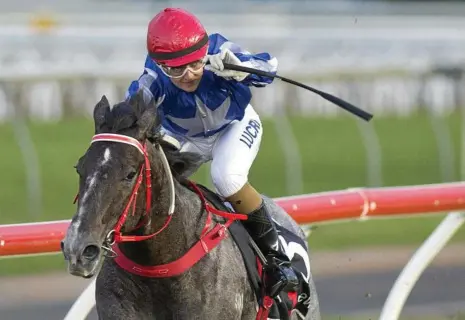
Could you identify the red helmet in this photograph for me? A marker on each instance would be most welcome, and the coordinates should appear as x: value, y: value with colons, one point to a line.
x: 176, y: 37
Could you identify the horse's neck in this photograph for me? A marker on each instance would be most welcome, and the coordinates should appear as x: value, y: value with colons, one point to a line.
x: 180, y: 234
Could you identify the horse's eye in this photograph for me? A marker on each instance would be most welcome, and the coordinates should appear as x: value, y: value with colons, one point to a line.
x: 131, y: 175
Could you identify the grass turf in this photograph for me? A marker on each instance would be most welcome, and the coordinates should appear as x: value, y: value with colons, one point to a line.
x: 332, y: 153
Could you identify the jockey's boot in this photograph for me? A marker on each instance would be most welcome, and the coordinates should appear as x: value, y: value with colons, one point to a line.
x: 279, y: 276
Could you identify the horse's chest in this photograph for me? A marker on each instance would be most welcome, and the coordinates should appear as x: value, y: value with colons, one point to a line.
x: 207, y: 300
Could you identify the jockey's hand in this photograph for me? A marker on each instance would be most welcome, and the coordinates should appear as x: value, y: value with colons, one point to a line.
x: 216, y: 65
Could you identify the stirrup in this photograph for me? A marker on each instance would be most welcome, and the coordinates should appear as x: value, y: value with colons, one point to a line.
x: 279, y: 276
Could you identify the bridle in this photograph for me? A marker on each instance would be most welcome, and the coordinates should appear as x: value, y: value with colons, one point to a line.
x: 115, y: 235
x: 210, y: 237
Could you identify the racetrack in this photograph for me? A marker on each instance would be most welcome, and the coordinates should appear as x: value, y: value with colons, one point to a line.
x: 350, y: 283
x: 439, y: 293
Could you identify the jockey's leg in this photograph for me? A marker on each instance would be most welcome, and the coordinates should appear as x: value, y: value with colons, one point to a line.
x: 233, y: 155
x: 200, y: 147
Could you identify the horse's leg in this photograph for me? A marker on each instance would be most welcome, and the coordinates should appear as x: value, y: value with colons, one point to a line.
x: 118, y: 298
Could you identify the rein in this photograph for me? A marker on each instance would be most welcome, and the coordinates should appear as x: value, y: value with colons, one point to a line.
x: 209, y: 238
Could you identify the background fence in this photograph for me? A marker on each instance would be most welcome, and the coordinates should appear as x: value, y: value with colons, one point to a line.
x: 387, y: 58
x: 403, y: 61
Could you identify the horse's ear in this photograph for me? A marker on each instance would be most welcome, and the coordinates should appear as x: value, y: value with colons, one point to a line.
x: 137, y: 103
x: 101, y: 110
x: 155, y: 105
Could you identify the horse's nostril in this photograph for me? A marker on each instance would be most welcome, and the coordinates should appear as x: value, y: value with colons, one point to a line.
x: 91, y: 252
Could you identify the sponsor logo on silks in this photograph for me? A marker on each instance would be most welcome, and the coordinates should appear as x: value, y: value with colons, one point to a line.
x: 250, y: 133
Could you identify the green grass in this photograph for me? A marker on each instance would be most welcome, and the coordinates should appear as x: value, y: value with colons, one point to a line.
x: 333, y: 157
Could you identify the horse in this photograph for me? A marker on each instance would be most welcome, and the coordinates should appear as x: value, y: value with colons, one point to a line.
x: 164, y: 251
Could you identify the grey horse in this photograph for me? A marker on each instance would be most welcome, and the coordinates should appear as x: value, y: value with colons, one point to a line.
x: 216, y: 287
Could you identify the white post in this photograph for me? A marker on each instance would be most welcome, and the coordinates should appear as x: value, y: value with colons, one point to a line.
x: 30, y: 159
x: 373, y: 154
x: 291, y: 153
x: 418, y: 263
x: 445, y: 146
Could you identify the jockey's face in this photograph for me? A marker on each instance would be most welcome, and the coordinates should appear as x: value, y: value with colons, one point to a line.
x: 189, y: 82
x: 186, y: 77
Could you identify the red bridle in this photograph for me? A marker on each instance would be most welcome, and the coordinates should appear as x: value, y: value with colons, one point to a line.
x: 116, y: 232
x: 210, y: 236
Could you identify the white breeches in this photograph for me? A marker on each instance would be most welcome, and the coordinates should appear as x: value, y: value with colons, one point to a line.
x: 232, y: 151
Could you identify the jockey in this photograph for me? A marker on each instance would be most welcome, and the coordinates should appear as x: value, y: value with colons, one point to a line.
x: 207, y: 109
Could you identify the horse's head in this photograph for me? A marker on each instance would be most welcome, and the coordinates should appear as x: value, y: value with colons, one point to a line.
x: 110, y: 172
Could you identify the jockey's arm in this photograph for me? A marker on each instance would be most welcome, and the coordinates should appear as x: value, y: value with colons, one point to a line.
x: 262, y: 61
x: 148, y: 82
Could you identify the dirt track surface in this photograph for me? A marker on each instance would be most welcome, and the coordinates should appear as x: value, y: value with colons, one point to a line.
x: 352, y: 281
x: 364, y: 261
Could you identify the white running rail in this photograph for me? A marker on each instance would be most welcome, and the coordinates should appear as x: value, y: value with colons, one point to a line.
x: 83, y: 305
x: 418, y: 263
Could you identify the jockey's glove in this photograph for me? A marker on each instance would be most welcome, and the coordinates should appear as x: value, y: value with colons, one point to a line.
x: 216, y: 65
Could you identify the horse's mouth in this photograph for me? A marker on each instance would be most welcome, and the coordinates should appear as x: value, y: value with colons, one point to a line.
x: 83, y: 257
x: 83, y: 267
x: 86, y: 272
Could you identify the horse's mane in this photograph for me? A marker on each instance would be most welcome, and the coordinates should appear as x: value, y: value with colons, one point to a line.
x: 123, y: 117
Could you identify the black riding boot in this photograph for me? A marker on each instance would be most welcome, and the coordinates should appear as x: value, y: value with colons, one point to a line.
x: 279, y: 274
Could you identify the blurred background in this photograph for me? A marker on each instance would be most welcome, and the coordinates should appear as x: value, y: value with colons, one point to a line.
x: 401, y: 60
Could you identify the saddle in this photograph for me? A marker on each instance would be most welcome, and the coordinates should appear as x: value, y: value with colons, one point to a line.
x: 286, y: 303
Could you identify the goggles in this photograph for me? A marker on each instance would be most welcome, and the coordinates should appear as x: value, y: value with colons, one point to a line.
x: 179, y: 72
